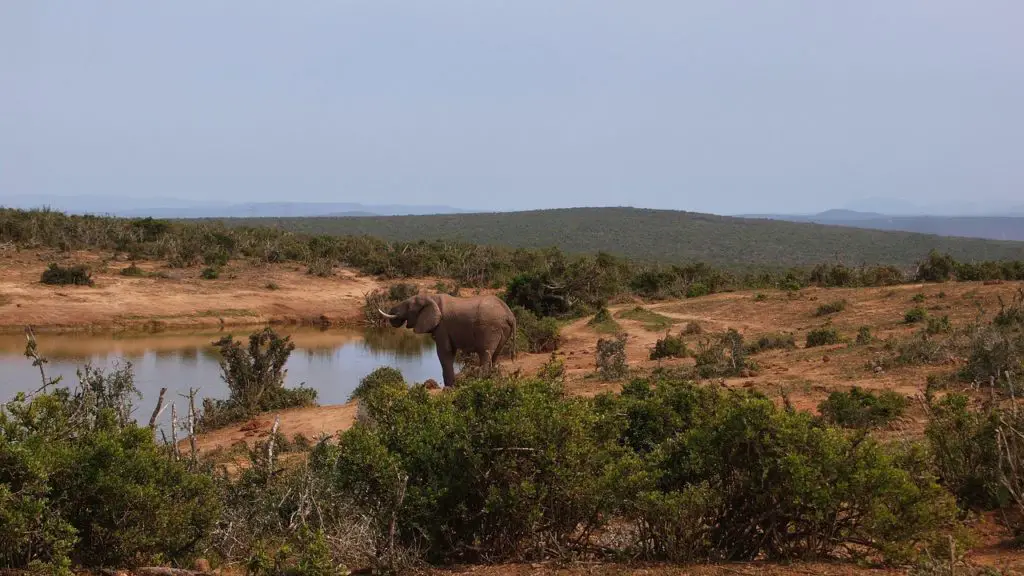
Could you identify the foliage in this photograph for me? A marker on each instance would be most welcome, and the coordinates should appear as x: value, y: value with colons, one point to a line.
x: 611, y: 357
x: 936, y: 267
x: 864, y: 336
x: 82, y: 485
x: 963, y: 444
x: 536, y: 334
x: 831, y: 308
x: 722, y: 355
x: 914, y: 315
x: 823, y: 336
x: 76, y: 275
x: 255, y: 379
x: 772, y: 341
x: 210, y: 273
x: 938, y: 325
x: 918, y: 298
x: 604, y: 323
x: 693, y: 327
x: 859, y: 408
x: 385, y: 376
x: 669, y: 347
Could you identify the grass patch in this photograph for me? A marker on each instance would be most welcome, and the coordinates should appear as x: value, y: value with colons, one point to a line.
x: 831, y: 308
x: 651, y: 320
x: 604, y: 323
x: 132, y: 271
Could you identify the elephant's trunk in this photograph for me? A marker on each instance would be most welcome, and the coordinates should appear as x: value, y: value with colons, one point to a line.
x: 386, y: 315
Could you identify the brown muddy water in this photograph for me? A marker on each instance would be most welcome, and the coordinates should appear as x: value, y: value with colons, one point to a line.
x: 330, y: 361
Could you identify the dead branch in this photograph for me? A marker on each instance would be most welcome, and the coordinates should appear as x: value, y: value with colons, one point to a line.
x: 158, y: 409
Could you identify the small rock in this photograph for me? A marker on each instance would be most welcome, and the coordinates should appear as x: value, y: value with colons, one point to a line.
x: 878, y: 369
x: 825, y: 358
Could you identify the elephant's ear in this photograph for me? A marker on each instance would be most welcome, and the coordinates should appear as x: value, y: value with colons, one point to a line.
x: 428, y: 318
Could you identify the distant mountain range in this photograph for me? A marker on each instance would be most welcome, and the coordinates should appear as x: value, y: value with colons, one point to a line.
x: 1007, y: 227
x: 177, y: 208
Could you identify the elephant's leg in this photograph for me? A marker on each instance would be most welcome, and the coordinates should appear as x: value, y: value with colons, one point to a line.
x: 499, y: 349
x: 447, y: 357
x: 485, y: 361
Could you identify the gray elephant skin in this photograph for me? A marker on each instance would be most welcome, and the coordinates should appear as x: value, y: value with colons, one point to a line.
x: 480, y: 325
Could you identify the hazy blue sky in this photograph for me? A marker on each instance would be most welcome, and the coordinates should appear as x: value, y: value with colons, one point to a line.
x: 722, y: 106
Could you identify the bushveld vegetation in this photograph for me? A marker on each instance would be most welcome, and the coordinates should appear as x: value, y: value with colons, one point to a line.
x: 57, y: 275
x: 660, y: 236
x: 547, y: 282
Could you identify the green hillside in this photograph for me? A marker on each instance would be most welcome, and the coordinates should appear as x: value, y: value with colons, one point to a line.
x: 662, y: 236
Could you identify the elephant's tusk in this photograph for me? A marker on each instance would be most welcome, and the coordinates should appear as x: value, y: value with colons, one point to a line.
x: 386, y: 315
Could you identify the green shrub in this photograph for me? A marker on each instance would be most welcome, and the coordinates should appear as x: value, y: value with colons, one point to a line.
x: 693, y: 327
x: 963, y: 444
x: 723, y: 355
x: 210, y: 273
x: 938, y: 325
x: 772, y: 341
x: 914, y: 315
x: 322, y: 267
x: 831, y: 308
x: 864, y: 336
x: 604, y: 323
x: 705, y: 454
x: 822, y: 337
x: 492, y: 470
x: 255, y: 379
x: 862, y: 409
x: 696, y: 290
x: 57, y: 275
x: 82, y: 487
x: 991, y: 353
x: 669, y: 347
x: 383, y: 377
x: 132, y: 270
x: 918, y: 298
x: 760, y: 297
x: 611, y: 357
x: 1011, y: 316
x: 936, y: 268
x: 536, y: 335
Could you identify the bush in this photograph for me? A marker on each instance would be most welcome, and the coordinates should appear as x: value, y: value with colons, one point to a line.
x: 722, y: 355
x: 611, y: 358
x: 669, y: 347
x: 381, y: 378
x: 963, y: 444
x: 696, y: 290
x: 705, y: 455
x: 772, y: 341
x: 991, y: 353
x: 322, y: 267
x: 864, y: 336
x: 57, y: 275
x: 693, y: 327
x: 918, y: 298
x: 132, y: 270
x: 936, y: 268
x: 862, y: 409
x: 1011, y: 316
x: 536, y: 335
x: 401, y: 291
x: 831, y: 308
x: 604, y: 323
x: 491, y: 471
x: 210, y: 273
x: 822, y: 337
x: 255, y: 379
x: 914, y: 315
x: 82, y: 487
x: 938, y: 326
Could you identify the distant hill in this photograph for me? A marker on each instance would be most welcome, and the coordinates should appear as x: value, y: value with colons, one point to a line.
x: 663, y: 236
x: 990, y: 227
x: 177, y: 208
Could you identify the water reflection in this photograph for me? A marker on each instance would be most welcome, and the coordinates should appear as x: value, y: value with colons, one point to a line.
x: 332, y: 362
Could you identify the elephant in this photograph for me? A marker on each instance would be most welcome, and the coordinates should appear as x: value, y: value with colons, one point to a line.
x: 480, y: 325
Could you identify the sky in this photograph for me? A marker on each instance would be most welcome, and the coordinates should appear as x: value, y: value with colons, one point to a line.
x: 724, y: 106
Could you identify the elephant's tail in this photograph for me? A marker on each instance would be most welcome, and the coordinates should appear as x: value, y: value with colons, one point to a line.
x: 515, y: 330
